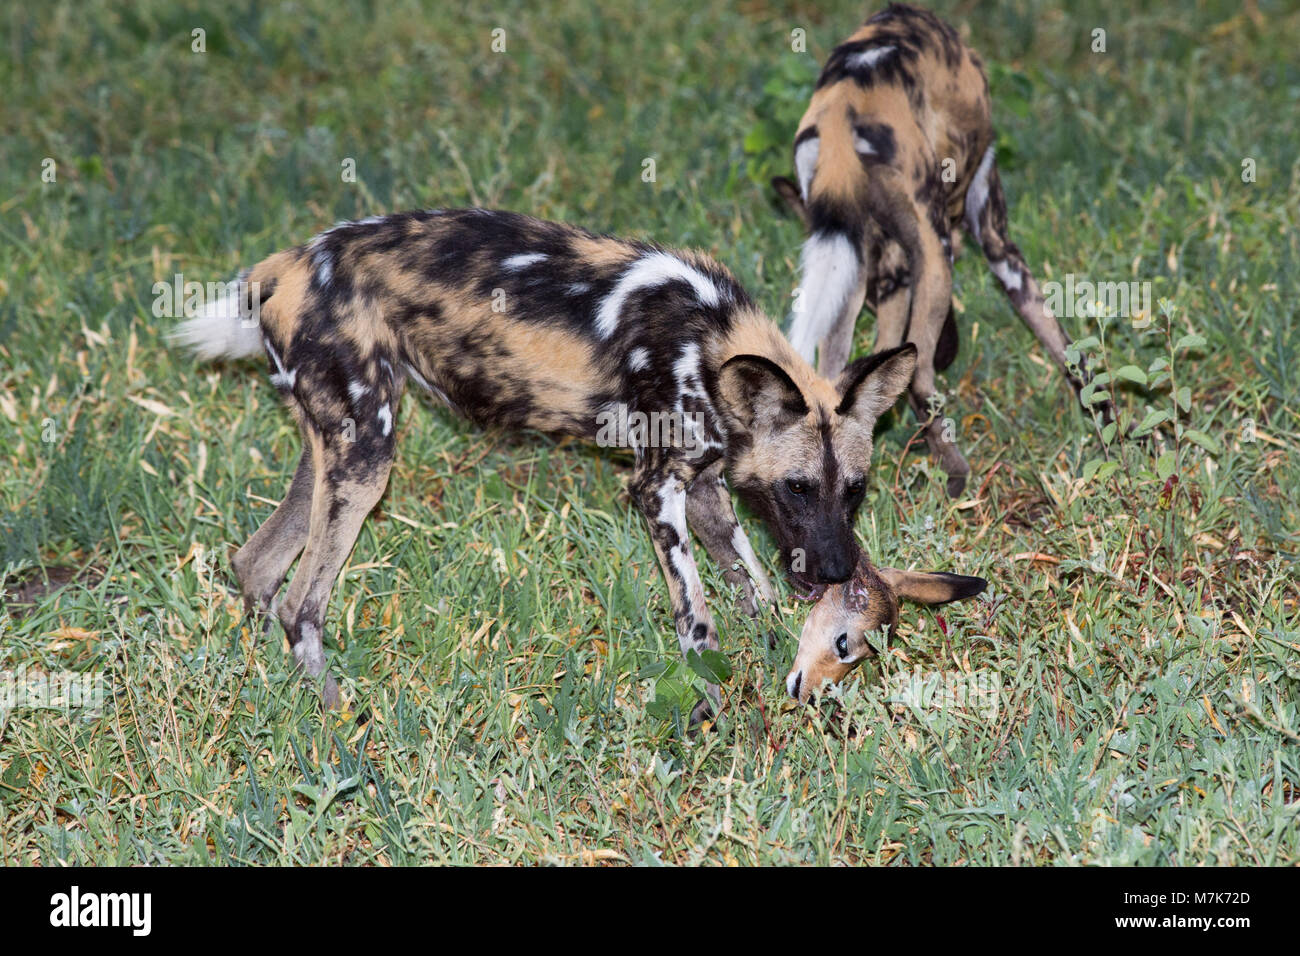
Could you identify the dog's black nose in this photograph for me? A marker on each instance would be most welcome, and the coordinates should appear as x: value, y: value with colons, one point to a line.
x: 835, y: 570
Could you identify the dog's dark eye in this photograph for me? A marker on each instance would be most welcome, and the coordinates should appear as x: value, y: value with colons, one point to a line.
x: 842, y: 646
x: 796, y: 486
x: 855, y: 487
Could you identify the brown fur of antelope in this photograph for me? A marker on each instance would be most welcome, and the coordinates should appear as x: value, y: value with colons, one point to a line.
x: 523, y: 324
x: 834, y: 639
x: 894, y: 156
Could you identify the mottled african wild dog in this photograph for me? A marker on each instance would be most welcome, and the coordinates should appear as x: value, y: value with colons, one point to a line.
x: 893, y: 155
x: 520, y: 323
x: 834, y: 636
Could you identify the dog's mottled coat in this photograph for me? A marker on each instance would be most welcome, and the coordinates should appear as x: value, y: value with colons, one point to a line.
x: 518, y: 323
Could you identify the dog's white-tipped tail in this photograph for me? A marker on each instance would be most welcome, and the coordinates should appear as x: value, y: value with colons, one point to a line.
x: 829, y: 275
x: 225, y: 327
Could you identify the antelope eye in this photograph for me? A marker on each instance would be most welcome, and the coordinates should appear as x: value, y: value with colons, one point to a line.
x: 796, y: 486
x: 842, y: 646
x: 856, y: 487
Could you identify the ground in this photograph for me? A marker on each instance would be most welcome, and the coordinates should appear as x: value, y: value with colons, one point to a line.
x: 1128, y: 691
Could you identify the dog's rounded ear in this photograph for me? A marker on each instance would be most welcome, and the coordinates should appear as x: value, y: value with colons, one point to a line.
x: 931, y: 587
x: 788, y: 191
x: 757, y: 393
x: 869, y: 386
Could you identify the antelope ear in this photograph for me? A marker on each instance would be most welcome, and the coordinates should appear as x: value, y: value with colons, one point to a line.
x: 869, y: 386
x: 933, y: 587
x: 785, y: 188
x: 757, y: 393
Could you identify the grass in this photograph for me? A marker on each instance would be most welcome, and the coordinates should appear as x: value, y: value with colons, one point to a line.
x: 501, y: 629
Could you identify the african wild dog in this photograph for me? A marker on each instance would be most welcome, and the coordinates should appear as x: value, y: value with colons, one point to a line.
x: 893, y: 155
x: 834, y: 636
x: 520, y: 323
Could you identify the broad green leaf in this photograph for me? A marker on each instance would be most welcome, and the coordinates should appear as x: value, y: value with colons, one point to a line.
x: 1202, y: 439
x: 1131, y: 373
x: 1165, y: 465
x: 1190, y: 341
x: 1157, y: 417
x: 712, y: 665
x: 1184, y: 398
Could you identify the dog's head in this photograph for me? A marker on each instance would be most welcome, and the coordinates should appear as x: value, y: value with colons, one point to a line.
x: 834, y: 637
x: 799, y: 456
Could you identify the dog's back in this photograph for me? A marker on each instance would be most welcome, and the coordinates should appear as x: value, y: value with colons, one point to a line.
x: 512, y: 321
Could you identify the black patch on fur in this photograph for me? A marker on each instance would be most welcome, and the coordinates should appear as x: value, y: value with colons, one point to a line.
x: 945, y: 351
x: 963, y: 585
x: 880, y: 136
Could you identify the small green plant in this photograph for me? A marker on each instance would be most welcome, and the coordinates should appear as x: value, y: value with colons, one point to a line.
x: 1159, y: 451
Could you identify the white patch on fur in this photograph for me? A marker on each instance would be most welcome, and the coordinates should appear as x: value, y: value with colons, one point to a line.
x: 868, y: 58
x: 219, y: 330
x: 577, y: 288
x: 805, y: 163
x: 653, y: 269
x: 357, y: 391
x: 829, y: 273
x: 863, y: 146
x: 385, y: 417
x: 431, y: 389
x: 672, y: 512
x: 1010, y: 278
x: 687, y: 367
x: 740, y: 541
x: 523, y: 261
x: 282, y: 378
x: 638, y: 359
x: 321, y: 261
x: 977, y: 194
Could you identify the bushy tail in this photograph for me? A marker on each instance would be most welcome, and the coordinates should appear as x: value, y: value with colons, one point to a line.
x: 831, y: 265
x: 225, y: 327
x: 829, y: 273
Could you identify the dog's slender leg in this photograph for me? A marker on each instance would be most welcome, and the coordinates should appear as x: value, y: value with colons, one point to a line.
x: 261, y: 564
x: 661, y: 497
x: 986, y: 217
x: 893, y: 297
x: 711, y: 516
x: 931, y: 279
x: 350, y: 477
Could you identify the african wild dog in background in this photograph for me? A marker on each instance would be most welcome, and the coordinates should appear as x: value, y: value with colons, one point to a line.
x: 893, y: 155
x: 515, y: 322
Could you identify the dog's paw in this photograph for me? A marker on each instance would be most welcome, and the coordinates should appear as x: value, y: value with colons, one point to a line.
x: 329, y: 692
x: 957, y: 484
